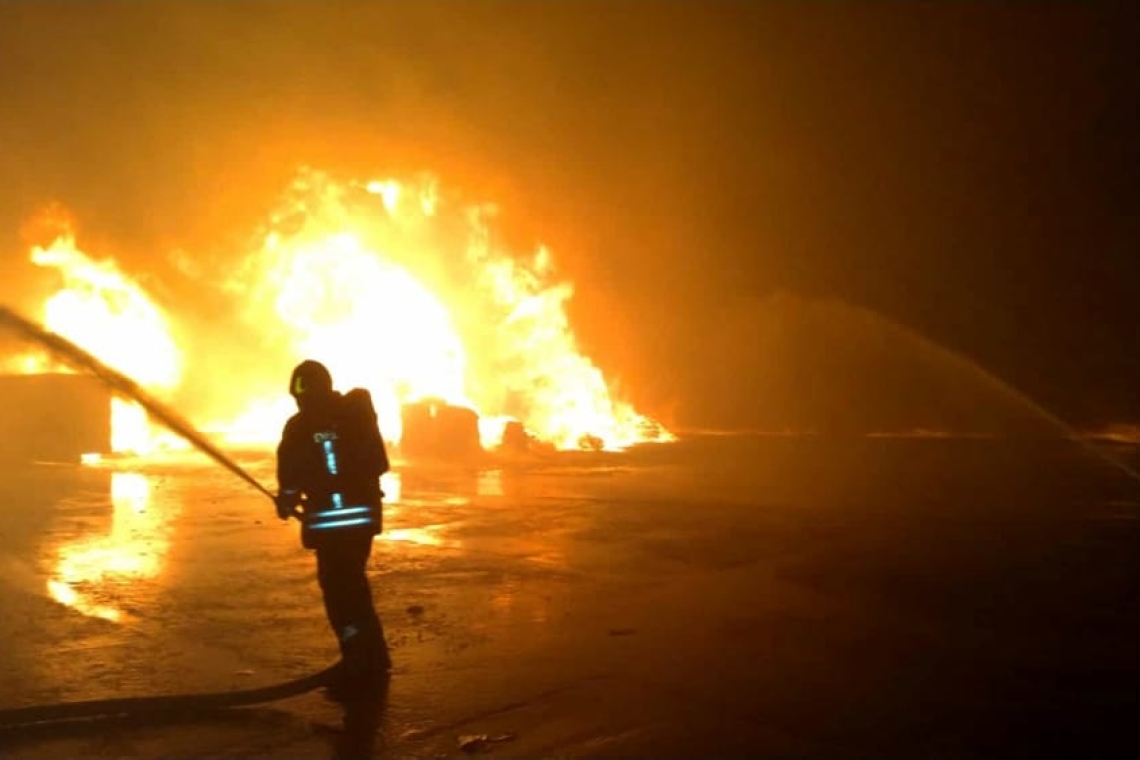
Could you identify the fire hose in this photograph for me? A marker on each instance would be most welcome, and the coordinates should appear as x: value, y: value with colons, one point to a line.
x: 160, y: 705
x: 72, y: 354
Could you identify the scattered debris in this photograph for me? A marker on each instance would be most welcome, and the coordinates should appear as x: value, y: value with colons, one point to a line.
x: 416, y: 609
x: 479, y: 742
x: 621, y: 631
x: 590, y: 442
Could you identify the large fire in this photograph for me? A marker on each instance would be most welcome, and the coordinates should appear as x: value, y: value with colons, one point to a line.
x: 109, y: 315
x: 395, y: 287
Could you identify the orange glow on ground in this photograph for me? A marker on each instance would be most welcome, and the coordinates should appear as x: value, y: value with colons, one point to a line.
x: 91, y: 575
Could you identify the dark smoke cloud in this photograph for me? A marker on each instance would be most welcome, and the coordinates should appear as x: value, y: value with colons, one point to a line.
x: 967, y: 170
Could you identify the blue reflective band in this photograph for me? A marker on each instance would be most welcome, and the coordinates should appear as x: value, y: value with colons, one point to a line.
x: 330, y: 456
x: 340, y: 512
x: 342, y: 523
x: 337, y: 500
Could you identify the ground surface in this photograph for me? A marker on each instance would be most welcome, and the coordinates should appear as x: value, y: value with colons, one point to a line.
x: 721, y: 596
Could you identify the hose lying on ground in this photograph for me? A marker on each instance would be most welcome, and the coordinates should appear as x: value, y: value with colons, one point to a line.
x: 22, y: 716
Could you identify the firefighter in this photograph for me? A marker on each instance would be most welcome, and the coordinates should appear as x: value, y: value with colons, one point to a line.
x: 329, y: 464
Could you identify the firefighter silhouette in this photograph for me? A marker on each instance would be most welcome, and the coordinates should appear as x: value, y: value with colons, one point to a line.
x: 329, y: 463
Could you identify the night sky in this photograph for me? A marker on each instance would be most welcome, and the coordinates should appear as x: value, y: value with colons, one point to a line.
x: 968, y: 171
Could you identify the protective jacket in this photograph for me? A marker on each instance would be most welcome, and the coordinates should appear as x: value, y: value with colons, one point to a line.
x: 333, y: 454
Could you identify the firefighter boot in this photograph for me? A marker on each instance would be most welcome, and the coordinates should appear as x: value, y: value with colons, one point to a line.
x: 363, y: 667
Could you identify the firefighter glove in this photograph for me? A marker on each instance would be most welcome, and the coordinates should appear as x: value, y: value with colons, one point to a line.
x: 287, y: 502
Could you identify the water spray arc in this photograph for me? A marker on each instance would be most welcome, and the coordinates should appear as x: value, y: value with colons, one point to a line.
x: 864, y: 321
x: 1065, y: 428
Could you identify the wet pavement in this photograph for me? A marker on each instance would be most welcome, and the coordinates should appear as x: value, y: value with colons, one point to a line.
x: 724, y: 596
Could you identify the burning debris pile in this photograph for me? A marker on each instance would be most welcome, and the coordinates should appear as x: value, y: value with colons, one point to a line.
x: 395, y: 286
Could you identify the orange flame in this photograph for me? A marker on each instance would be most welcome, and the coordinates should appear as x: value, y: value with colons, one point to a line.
x: 397, y: 288
x: 108, y: 314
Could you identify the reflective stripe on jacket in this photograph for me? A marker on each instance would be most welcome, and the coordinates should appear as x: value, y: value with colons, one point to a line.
x: 335, y: 515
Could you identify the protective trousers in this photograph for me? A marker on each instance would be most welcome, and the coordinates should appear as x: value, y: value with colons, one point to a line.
x: 341, y: 566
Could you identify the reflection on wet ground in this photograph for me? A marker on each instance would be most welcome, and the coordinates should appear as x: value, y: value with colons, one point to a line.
x: 776, y: 598
x: 426, y: 536
x: 93, y: 570
x: 490, y: 483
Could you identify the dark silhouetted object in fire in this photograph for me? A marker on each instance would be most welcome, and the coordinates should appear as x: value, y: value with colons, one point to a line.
x: 515, y: 438
x: 329, y: 464
x: 434, y: 429
x: 53, y: 417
